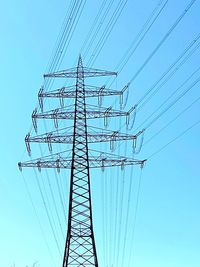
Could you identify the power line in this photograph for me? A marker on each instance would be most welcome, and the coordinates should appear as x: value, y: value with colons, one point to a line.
x: 39, y: 222
x: 110, y: 25
x: 47, y: 213
x: 171, y: 121
x: 173, y: 102
x: 174, y: 139
x: 178, y: 20
x: 181, y: 56
x: 141, y: 35
x: 132, y: 234
x: 90, y: 40
x: 127, y: 215
x: 181, y: 60
x: 54, y: 202
x: 68, y: 31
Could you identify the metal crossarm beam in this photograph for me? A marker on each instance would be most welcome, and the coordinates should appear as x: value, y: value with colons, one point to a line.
x: 67, y: 114
x: 70, y: 92
x: 62, y: 137
x: 102, y: 161
x: 68, y: 138
x: 72, y: 73
x: 91, y: 114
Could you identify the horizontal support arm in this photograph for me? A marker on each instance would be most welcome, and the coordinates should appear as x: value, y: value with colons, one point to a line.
x: 62, y: 137
x: 102, y: 161
x: 93, y: 112
x: 72, y: 73
x: 70, y: 92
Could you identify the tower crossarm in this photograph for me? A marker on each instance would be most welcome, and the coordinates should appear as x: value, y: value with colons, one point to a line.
x: 68, y: 138
x: 70, y: 92
x: 72, y: 73
x: 91, y: 114
x: 67, y: 114
x: 62, y: 137
x: 100, y: 160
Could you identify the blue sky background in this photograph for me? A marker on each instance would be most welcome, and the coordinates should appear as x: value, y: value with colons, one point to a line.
x: 166, y: 231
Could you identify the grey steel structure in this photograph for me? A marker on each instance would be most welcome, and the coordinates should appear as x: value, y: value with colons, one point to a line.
x: 80, y: 249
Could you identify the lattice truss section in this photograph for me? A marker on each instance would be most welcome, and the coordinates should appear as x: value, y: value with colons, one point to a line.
x: 80, y: 249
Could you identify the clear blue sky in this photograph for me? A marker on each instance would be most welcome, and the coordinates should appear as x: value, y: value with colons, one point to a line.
x: 167, y: 229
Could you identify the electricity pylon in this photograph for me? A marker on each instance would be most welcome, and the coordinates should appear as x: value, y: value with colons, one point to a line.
x: 80, y: 249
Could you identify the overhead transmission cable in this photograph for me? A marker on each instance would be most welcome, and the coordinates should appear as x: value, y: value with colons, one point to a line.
x: 176, y: 68
x: 54, y: 202
x: 127, y: 215
x: 61, y: 197
x: 56, y: 58
x: 121, y: 210
x: 169, y: 97
x: 47, y: 213
x: 141, y: 34
x: 176, y: 61
x: 65, y: 38
x: 107, y: 31
x: 93, y: 25
x: 45, y: 196
x: 174, y: 139
x: 171, y: 70
x: 90, y: 39
x: 132, y: 234
x: 171, y: 121
x: 60, y: 36
x: 154, y: 15
x: 172, y: 28
x: 70, y: 22
x: 39, y: 222
x: 173, y: 102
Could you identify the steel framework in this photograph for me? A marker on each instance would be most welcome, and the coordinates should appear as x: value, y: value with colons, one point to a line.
x: 80, y: 249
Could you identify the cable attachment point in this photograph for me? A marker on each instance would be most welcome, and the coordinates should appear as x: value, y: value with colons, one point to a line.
x: 34, y: 116
x: 40, y: 97
x: 113, y: 140
x: 20, y: 166
x: 100, y: 98
x: 55, y: 117
x: 48, y: 140
x: 122, y: 102
x: 39, y: 165
x: 106, y: 115
x: 103, y: 164
x: 133, y: 109
x: 61, y: 96
x: 123, y: 164
x: 137, y: 148
x: 143, y: 163
x: 58, y: 165
x: 27, y: 142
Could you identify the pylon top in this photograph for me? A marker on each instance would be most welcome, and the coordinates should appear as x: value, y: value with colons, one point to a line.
x: 72, y: 72
x: 80, y: 62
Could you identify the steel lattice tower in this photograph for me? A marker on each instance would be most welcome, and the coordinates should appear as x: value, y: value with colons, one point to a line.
x: 80, y: 249
x: 80, y: 235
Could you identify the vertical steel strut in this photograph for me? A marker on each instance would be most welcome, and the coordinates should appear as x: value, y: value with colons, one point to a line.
x: 80, y: 247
